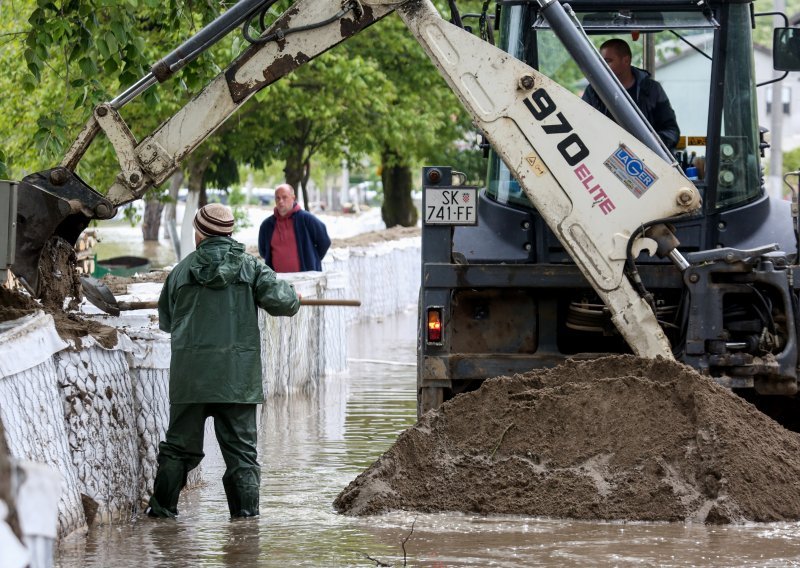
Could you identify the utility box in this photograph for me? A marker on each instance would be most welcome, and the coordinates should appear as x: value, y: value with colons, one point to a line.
x: 8, y: 226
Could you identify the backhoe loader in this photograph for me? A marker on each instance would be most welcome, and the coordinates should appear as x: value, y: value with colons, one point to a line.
x: 558, y: 234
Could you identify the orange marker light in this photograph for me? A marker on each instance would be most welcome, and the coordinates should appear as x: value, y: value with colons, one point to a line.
x: 434, y: 325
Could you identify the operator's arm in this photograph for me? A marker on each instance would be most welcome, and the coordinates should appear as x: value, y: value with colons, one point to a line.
x: 664, y: 122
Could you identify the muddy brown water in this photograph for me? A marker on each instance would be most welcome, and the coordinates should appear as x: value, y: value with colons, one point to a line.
x: 313, y: 446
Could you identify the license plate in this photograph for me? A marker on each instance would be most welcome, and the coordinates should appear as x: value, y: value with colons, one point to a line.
x: 451, y: 206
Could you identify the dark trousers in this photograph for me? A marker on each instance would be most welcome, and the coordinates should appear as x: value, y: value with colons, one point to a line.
x: 182, y: 451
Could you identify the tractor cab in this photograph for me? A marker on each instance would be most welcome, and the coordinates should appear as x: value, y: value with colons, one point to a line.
x: 703, y: 57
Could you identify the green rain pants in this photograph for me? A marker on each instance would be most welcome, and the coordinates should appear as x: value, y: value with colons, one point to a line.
x: 182, y: 451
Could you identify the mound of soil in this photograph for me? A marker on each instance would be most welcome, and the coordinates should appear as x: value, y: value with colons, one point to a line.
x: 614, y: 438
x: 14, y: 304
x: 58, y: 280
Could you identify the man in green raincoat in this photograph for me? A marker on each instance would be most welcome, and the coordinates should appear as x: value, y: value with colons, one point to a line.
x: 209, y: 304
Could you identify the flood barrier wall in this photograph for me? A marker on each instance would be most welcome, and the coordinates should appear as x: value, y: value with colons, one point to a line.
x: 95, y: 415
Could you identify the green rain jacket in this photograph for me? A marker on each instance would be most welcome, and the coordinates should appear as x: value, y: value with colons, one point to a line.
x: 209, y: 305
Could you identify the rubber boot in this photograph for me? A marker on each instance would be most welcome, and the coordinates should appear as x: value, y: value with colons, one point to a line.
x: 170, y: 479
x: 243, y: 494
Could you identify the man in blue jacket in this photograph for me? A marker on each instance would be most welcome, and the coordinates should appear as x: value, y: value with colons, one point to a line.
x: 209, y: 305
x: 292, y: 240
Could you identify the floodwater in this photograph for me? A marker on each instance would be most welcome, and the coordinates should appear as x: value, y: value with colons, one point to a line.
x: 119, y: 238
x: 313, y: 445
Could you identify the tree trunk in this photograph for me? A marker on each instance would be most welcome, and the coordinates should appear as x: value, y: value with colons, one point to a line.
x: 196, y: 183
x: 175, y: 183
x: 293, y: 170
x: 304, y: 182
x: 152, y: 219
x: 197, y: 176
x: 398, y: 207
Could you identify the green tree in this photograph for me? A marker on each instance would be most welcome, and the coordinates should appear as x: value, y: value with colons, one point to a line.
x: 71, y: 55
x: 321, y: 109
x: 422, y: 115
x: 791, y: 161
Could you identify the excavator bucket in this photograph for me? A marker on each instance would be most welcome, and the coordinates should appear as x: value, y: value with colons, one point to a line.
x: 53, y: 203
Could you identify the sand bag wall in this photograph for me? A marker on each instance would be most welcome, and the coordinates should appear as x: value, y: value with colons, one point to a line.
x: 148, y: 361
x: 333, y: 331
x: 385, y: 276
x: 96, y: 389
x: 290, y: 346
x: 32, y: 410
x: 96, y: 415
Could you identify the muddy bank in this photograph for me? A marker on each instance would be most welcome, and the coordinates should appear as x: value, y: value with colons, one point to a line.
x: 616, y: 438
x: 15, y: 304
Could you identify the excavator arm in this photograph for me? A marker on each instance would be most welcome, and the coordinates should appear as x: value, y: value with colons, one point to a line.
x: 57, y: 202
x: 593, y: 182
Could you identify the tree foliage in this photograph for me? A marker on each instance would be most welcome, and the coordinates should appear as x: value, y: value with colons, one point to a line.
x: 791, y: 161
x: 762, y: 35
x: 64, y: 57
x: 422, y: 115
x: 323, y: 109
x: 69, y: 56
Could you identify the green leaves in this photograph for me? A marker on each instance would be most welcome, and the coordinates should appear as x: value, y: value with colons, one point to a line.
x: 87, y: 66
x: 75, y: 54
x: 51, y: 135
x: 3, y: 167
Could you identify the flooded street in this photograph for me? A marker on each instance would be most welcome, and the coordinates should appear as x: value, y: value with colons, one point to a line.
x: 313, y: 445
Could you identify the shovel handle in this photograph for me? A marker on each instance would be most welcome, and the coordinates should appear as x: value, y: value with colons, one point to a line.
x: 138, y: 305
x: 303, y: 302
x: 328, y: 302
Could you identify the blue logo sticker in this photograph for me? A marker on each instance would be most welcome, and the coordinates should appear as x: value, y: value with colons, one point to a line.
x: 630, y: 170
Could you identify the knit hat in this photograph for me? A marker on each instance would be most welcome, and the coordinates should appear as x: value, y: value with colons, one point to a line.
x: 214, y: 220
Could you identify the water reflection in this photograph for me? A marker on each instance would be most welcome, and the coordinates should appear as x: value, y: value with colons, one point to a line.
x: 313, y: 445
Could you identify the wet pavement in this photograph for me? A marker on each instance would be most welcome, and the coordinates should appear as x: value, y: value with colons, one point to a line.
x: 313, y: 445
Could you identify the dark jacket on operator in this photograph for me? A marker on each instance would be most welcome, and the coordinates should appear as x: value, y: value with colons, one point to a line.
x: 312, y: 240
x: 649, y: 96
x: 209, y: 304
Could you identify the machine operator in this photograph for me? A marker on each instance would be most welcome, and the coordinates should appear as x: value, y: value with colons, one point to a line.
x: 647, y: 93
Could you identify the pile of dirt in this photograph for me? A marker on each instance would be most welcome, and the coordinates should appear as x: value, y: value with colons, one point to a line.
x: 58, y: 281
x: 58, y: 278
x: 615, y: 438
x: 15, y: 304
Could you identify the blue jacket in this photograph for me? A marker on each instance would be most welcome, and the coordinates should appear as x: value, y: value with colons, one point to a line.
x: 312, y: 240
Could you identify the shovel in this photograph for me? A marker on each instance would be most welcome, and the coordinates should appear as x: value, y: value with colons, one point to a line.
x: 101, y: 296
